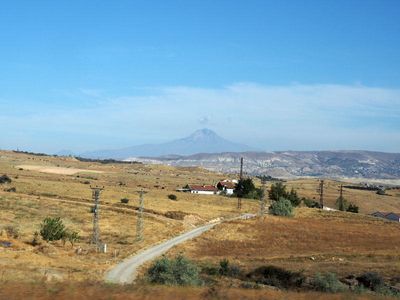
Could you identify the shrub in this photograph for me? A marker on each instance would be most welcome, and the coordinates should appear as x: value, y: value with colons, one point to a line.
x: 71, y: 236
x: 353, y: 208
x: 52, y: 229
x: 11, y: 190
x: 245, y: 188
x: 178, y: 271
x: 371, y: 280
x: 5, y: 179
x: 275, y: 276
x: 293, y: 198
x: 12, y: 231
x: 341, y: 204
x: 311, y: 203
x: 328, y: 283
x: 125, y: 200
x: 227, y: 269
x: 172, y: 197
x: 36, y: 239
x: 283, y: 207
x: 277, y: 191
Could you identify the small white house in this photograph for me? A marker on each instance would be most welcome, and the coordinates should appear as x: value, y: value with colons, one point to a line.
x: 226, y: 186
x: 203, y: 189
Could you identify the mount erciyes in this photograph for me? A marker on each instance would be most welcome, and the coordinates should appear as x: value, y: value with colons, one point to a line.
x: 206, y: 149
x: 201, y: 141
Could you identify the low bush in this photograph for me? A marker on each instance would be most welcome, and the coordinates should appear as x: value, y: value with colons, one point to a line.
x: 282, y: 207
x: 311, y: 203
x: 371, y: 280
x: 172, y: 197
x: 11, y: 190
x: 328, y: 283
x: 52, y: 229
x: 353, y: 208
x: 178, y: 271
x: 125, y: 200
x: 11, y: 231
x: 227, y: 269
x: 5, y: 179
x: 275, y: 276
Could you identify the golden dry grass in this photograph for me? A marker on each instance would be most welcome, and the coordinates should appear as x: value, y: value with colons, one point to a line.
x: 312, y: 241
x: 40, y: 194
x: 67, y: 291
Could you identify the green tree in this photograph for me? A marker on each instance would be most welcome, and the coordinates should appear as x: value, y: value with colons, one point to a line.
x: 341, y: 204
x: 282, y: 207
x: 293, y: 198
x: 277, y: 191
x: 52, y: 229
x: 245, y: 188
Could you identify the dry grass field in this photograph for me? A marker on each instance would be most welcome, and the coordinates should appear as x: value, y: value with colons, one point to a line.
x: 81, y: 291
x: 45, y: 192
x: 58, y: 186
x: 312, y: 241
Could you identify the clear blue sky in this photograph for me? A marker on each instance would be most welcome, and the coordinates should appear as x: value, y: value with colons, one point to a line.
x: 85, y: 75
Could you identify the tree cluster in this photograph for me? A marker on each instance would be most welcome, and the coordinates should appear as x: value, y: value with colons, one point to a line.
x: 278, y: 191
x: 245, y: 188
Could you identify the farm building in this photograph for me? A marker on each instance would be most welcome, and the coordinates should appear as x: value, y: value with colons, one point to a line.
x: 203, y: 189
x: 226, y: 186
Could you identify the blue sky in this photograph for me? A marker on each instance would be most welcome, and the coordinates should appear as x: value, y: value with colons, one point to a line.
x: 277, y: 75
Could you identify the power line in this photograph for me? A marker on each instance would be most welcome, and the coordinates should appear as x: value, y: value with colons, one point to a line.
x: 321, y: 193
x: 240, y: 187
x: 262, y: 200
x: 139, y: 223
x: 96, y: 215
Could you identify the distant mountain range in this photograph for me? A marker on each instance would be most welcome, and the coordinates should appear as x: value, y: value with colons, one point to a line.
x: 201, y: 141
x: 206, y: 149
x: 339, y: 164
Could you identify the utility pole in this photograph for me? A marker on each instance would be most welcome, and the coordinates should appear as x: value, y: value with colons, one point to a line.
x: 96, y: 213
x: 240, y: 194
x: 341, y: 191
x: 262, y: 200
x: 321, y: 193
x: 139, y: 223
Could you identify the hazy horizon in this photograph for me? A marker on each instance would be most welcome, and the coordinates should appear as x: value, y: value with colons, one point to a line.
x: 274, y: 75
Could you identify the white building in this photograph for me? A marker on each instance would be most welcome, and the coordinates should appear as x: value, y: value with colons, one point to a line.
x: 203, y: 189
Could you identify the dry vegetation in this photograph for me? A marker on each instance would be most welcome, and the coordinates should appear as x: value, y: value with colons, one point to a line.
x: 40, y: 194
x: 312, y: 241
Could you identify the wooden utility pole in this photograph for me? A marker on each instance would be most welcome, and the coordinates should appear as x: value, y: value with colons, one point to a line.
x: 240, y: 194
x: 139, y: 223
x: 321, y: 193
x: 262, y: 200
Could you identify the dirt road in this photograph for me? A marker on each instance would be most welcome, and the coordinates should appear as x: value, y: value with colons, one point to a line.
x: 126, y: 271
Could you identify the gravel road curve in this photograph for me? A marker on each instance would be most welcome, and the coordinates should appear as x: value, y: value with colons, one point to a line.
x: 126, y: 271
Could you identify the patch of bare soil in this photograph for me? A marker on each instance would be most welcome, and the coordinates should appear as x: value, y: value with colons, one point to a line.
x: 56, y: 170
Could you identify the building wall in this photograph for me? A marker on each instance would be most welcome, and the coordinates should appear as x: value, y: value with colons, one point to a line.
x: 202, y: 192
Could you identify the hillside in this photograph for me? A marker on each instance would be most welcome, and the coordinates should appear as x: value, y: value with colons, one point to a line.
x: 289, y: 164
x: 47, y: 186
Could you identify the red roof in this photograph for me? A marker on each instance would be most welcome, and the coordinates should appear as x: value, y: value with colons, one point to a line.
x: 227, y: 184
x: 204, y: 188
